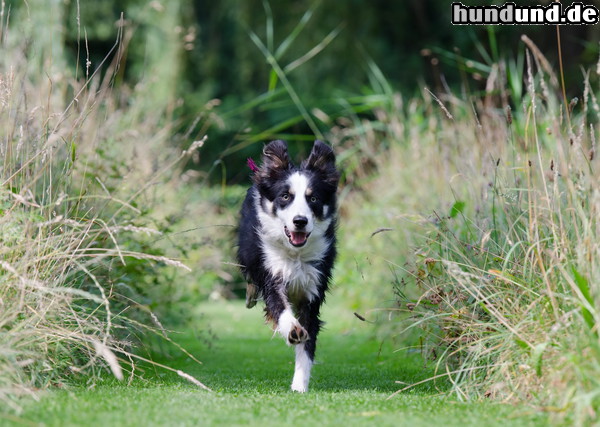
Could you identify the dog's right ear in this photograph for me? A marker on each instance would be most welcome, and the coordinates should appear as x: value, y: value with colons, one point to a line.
x: 275, y: 160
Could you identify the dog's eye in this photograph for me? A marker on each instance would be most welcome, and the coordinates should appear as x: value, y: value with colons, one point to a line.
x: 313, y: 199
x: 285, y: 197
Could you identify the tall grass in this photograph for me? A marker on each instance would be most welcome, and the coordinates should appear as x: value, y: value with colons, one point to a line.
x: 502, y: 292
x: 74, y: 194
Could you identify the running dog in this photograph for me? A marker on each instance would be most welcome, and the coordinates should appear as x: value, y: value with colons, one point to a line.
x: 287, y: 245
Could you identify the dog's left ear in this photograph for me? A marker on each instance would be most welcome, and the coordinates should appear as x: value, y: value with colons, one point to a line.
x: 322, y: 161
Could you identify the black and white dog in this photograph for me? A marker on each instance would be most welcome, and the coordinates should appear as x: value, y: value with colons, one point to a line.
x: 287, y: 245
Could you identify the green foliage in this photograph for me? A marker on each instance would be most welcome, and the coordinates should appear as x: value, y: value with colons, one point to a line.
x: 584, y: 288
x: 457, y: 208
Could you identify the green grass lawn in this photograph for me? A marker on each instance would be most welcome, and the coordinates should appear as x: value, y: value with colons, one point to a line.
x: 250, y: 372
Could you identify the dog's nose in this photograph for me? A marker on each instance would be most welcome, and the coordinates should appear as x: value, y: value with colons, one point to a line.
x: 300, y: 221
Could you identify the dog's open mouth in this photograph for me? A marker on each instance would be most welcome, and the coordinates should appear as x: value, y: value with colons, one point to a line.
x: 297, y: 238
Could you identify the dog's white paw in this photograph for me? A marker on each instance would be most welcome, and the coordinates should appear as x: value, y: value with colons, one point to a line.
x: 297, y: 335
x: 290, y: 329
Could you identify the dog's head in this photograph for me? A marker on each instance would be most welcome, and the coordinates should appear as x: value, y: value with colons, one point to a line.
x: 300, y: 201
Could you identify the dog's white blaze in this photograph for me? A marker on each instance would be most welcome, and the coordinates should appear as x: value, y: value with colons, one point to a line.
x: 302, y: 370
x: 299, y: 206
x: 292, y: 264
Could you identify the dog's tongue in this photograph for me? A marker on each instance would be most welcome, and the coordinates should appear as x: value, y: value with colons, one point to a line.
x: 298, y: 238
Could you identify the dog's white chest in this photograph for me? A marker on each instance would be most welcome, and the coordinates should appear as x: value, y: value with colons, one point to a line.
x: 300, y: 277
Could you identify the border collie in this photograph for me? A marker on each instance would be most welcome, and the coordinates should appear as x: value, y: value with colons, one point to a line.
x: 287, y: 245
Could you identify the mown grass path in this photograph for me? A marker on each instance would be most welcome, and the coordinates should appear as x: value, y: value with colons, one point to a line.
x: 250, y: 371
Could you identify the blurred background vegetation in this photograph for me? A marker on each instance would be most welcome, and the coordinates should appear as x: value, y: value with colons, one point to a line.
x: 201, y: 58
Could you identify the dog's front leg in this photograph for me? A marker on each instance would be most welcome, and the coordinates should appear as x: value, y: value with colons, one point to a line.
x: 305, y: 353
x: 280, y: 312
x: 302, y: 369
